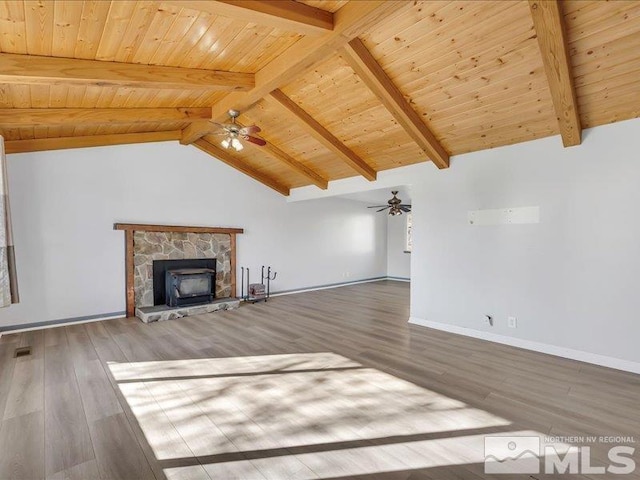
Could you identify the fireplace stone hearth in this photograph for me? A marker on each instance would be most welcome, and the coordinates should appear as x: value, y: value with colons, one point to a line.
x: 159, y: 313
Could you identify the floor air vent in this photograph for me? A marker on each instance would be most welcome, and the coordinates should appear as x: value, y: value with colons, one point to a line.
x: 22, y: 352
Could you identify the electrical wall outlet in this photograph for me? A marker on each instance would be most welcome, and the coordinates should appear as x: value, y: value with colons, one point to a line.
x: 512, y: 322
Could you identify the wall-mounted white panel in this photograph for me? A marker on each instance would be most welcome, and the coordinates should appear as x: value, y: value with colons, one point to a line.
x: 505, y: 216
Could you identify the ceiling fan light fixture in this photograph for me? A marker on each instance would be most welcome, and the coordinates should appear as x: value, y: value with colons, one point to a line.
x: 235, y: 143
x: 233, y: 132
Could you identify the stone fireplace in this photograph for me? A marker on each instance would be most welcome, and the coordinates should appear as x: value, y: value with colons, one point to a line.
x: 211, y: 249
x: 150, y: 246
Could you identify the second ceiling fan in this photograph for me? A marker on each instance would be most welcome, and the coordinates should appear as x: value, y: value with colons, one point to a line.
x: 395, y: 205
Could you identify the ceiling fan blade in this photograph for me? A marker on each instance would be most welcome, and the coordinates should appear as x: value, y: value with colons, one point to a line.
x: 405, y: 205
x: 250, y: 130
x: 378, y: 206
x: 405, y: 209
x: 381, y: 209
x: 256, y: 140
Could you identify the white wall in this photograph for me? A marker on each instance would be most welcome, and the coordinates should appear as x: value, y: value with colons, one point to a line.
x: 572, y: 280
x: 71, y: 262
x: 398, y: 262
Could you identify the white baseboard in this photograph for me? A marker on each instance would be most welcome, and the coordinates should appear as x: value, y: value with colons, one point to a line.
x: 325, y: 287
x: 61, y: 323
x: 593, y: 358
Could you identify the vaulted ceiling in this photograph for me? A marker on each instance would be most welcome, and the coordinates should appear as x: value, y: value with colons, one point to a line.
x: 339, y: 88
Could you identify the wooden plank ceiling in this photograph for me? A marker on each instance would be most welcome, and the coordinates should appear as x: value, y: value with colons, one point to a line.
x: 339, y: 88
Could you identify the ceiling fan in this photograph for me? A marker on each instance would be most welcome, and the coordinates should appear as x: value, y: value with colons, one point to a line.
x: 396, y: 207
x: 233, y: 132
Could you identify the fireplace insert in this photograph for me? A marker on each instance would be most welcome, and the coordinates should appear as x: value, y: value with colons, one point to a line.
x: 184, y: 282
x: 189, y: 286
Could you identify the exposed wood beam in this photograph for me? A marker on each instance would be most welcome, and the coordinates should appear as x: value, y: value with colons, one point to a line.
x: 238, y: 164
x: 349, y: 22
x: 284, y: 157
x: 195, y: 131
x: 60, y: 143
x: 35, y: 70
x: 278, y: 154
x: 299, y: 167
x: 283, y: 14
x: 550, y: 30
x: 372, y: 74
x: 50, y: 117
x: 324, y: 136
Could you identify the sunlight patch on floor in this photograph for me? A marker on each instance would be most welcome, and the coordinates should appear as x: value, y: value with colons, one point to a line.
x: 297, y: 416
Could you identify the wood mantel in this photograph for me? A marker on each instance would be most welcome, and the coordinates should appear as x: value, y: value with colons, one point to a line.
x: 143, y: 227
x: 130, y: 228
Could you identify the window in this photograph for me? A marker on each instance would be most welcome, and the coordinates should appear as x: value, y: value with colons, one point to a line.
x: 409, y: 244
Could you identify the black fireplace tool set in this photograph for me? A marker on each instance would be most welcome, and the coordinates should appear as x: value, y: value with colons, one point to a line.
x: 257, y: 292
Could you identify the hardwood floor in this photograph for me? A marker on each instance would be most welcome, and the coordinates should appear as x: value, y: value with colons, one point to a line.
x: 326, y: 384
